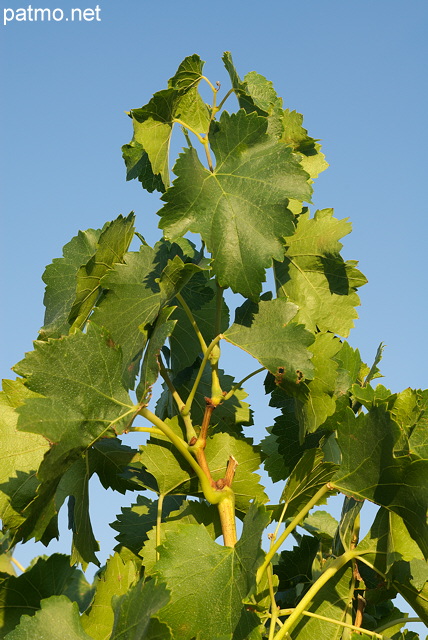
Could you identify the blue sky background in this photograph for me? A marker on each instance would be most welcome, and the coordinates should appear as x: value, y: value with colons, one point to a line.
x: 356, y: 70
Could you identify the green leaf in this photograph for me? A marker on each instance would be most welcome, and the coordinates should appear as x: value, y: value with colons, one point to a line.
x: 283, y: 446
x: 196, y: 582
x: 150, y: 367
x: 135, y: 522
x: 199, y: 295
x: 308, y: 476
x: 385, y: 550
x: 321, y: 524
x: 58, y: 618
x: 137, y: 290
x: 134, y: 611
x: 294, y: 568
x: 147, y: 156
x: 115, y: 580
x: 20, y: 454
x: 229, y: 415
x: 84, y: 400
x: 316, y: 399
x: 370, y: 469
x: 74, y: 483
x: 240, y: 207
x: 21, y: 595
x: 60, y: 278
x: 111, y: 247
x: 266, y: 331
x: 110, y: 459
x: 314, y: 276
x: 246, y: 486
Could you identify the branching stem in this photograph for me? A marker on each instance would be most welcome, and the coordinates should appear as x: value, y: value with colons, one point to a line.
x: 214, y: 497
x: 186, y: 409
x: 293, y: 524
x: 190, y: 431
x: 334, y: 567
x: 346, y: 625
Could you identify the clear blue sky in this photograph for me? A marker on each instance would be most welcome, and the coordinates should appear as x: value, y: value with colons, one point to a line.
x: 356, y: 70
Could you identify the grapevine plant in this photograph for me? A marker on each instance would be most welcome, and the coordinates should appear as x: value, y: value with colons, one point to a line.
x: 200, y: 552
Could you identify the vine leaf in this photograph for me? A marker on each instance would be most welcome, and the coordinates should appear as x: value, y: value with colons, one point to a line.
x: 240, y: 207
x: 135, y: 522
x: 314, y: 276
x: 195, y: 583
x: 115, y: 579
x: 111, y: 247
x: 60, y: 279
x: 388, y: 548
x: 135, y: 609
x: 147, y: 156
x: 256, y: 93
x: 137, y: 290
x: 370, y: 469
x: 266, y: 331
x: 20, y: 455
x: 57, y: 618
x: 150, y: 367
x: 308, y: 476
x: 47, y: 577
x: 110, y: 460
x: 84, y: 400
x: 199, y: 295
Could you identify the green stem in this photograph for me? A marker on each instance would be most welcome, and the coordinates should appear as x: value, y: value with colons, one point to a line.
x: 334, y: 567
x: 17, y: 564
x: 156, y: 432
x: 186, y: 409
x: 346, y: 625
x: 293, y: 524
x: 190, y: 431
x: 274, y: 607
x: 186, y: 126
x: 192, y: 321
x: 213, y: 497
x: 229, y: 93
x: 158, y: 523
x: 241, y: 382
x: 226, y: 509
x: 393, y: 623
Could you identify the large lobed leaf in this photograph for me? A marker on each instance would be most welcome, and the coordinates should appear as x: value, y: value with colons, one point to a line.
x: 214, y: 586
x: 147, y: 155
x: 239, y: 208
x: 83, y: 400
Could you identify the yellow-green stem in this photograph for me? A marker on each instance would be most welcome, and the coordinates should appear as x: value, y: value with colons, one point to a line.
x: 286, y: 612
x: 226, y: 509
x: 156, y: 432
x: 189, y: 400
x: 190, y: 431
x: 17, y: 564
x: 393, y: 623
x: 334, y: 567
x: 293, y: 524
